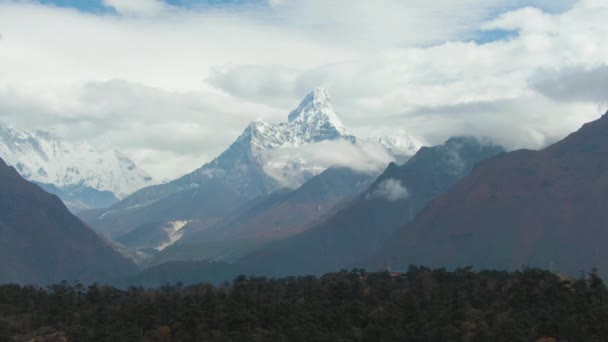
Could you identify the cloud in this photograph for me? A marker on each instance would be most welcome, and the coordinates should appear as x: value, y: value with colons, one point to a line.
x: 394, y: 22
x: 574, y: 84
x: 363, y: 156
x: 137, y: 7
x: 531, y: 121
x: 173, y: 86
x: 389, y: 189
x: 165, y: 132
x: 257, y: 82
x: 275, y: 3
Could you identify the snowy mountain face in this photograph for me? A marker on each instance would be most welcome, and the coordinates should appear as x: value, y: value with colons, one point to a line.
x: 402, y: 147
x: 291, y: 153
x: 44, y: 158
x: 315, y: 119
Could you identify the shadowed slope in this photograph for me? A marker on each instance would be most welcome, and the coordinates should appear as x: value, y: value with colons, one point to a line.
x: 42, y: 242
x: 540, y: 208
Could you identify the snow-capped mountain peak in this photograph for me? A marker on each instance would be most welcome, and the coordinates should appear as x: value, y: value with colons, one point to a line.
x: 284, y: 153
x: 264, y: 158
x: 268, y: 156
x: 316, y: 116
x: 45, y: 158
x: 313, y: 121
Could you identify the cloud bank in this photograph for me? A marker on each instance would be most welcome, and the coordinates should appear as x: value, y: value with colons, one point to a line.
x: 172, y: 87
x: 366, y: 157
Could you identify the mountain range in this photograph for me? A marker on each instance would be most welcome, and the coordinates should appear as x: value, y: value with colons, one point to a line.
x: 508, y: 210
x: 41, y: 242
x: 265, y: 158
x: 83, y: 176
x: 345, y: 237
x: 273, y: 205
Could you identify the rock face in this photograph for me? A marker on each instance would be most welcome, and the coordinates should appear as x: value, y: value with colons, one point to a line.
x: 41, y: 242
x: 358, y: 230
x: 263, y: 159
x: 538, y: 208
x: 83, y: 176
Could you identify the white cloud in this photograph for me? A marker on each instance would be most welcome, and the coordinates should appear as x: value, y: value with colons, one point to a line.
x: 167, y: 133
x: 363, y: 156
x: 137, y: 7
x: 394, y: 22
x: 275, y: 3
x: 173, y: 87
x: 389, y: 189
x: 574, y: 84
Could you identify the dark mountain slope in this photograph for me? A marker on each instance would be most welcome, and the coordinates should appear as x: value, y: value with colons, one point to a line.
x: 42, y: 242
x: 541, y: 208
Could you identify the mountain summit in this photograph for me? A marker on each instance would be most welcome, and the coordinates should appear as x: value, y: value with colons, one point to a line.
x: 316, y: 116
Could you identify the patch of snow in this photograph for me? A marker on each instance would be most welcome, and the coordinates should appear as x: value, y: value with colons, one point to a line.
x: 174, y: 230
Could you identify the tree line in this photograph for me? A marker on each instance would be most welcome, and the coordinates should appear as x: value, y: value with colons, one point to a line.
x: 420, y: 305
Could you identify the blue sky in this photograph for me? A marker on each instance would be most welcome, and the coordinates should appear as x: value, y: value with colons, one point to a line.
x: 96, y: 6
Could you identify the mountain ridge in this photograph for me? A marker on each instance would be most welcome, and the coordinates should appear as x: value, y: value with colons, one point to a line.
x: 41, y: 242
x: 537, y: 208
x: 358, y: 230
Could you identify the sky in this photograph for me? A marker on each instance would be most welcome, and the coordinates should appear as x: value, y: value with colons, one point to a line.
x: 173, y: 83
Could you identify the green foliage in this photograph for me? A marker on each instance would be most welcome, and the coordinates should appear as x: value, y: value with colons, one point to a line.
x: 422, y: 305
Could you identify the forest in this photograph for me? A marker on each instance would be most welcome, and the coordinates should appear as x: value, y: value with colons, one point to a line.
x: 418, y: 305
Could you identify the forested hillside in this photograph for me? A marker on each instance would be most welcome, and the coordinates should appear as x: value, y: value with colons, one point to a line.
x: 420, y: 305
